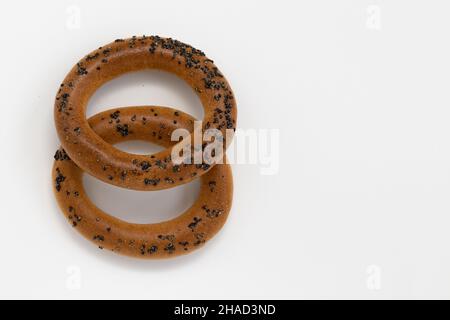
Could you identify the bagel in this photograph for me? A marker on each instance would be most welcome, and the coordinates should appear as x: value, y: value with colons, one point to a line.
x: 105, y: 162
x: 184, y: 234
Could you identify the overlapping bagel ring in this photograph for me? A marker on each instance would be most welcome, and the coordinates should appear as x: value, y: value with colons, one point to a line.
x: 103, y: 161
x: 178, y: 236
x: 86, y: 145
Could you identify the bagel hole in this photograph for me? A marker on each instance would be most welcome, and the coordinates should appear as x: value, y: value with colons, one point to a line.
x: 146, y: 88
x: 139, y: 147
x: 141, y: 206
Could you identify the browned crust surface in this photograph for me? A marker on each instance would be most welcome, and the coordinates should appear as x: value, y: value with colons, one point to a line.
x: 91, y: 153
x: 171, y: 238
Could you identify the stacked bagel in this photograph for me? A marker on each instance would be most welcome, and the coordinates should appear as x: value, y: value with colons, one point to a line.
x: 87, y: 146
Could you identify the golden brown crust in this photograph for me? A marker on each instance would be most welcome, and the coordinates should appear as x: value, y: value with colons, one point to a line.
x: 171, y: 238
x: 92, y: 154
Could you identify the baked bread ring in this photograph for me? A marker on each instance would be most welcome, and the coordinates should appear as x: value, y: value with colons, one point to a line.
x: 181, y: 235
x: 93, y: 154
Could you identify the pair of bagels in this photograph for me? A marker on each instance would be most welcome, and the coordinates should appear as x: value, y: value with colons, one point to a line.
x: 87, y: 146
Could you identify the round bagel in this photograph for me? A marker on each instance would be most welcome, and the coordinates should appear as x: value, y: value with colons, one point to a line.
x: 178, y: 236
x: 93, y: 154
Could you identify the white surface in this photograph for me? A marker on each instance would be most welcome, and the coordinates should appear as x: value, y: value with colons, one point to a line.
x: 360, y: 206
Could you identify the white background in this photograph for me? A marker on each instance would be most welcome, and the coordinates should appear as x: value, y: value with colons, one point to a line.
x: 360, y: 205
